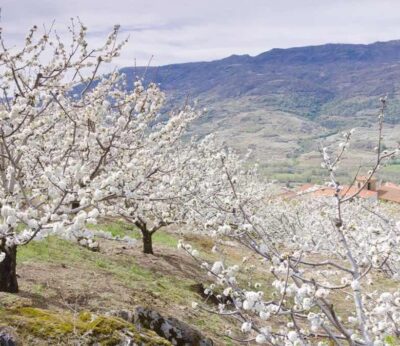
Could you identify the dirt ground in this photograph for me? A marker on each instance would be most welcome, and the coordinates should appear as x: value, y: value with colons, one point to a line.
x: 119, y: 277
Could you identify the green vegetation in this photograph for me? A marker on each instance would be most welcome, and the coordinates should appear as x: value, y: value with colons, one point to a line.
x: 392, y: 340
x: 164, y: 238
x: 393, y: 167
x: 117, y: 228
x: 121, y: 229
x: 63, y: 327
x: 164, y: 281
x: 392, y: 171
x: 127, y: 271
x: 146, y: 281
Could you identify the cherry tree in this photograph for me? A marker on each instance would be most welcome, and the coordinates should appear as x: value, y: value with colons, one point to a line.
x: 175, y: 182
x: 66, y: 134
x: 44, y: 163
x: 147, y: 183
x: 318, y: 252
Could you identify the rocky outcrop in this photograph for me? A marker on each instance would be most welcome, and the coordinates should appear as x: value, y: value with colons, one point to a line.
x: 7, y: 339
x: 177, y: 332
x: 48, y: 327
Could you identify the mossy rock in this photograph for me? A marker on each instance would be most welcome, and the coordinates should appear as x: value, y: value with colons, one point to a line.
x: 8, y: 300
x: 64, y: 328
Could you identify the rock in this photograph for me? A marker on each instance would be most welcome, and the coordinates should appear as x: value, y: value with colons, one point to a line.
x: 48, y: 327
x: 89, y: 244
x: 211, y: 297
x: 177, y: 332
x: 125, y: 315
x: 6, y: 339
x: 83, y: 242
x: 93, y: 245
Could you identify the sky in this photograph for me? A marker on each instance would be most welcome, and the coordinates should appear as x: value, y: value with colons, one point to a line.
x: 175, y: 31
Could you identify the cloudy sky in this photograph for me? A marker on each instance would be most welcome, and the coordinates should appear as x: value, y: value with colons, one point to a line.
x: 193, y: 30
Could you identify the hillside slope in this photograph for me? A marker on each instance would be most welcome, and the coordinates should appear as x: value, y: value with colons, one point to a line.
x: 309, y: 81
x: 283, y: 102
x: 70, y: 295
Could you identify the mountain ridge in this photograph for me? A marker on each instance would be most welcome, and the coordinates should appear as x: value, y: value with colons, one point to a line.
x: 279, y: 101
x: 317, y: 74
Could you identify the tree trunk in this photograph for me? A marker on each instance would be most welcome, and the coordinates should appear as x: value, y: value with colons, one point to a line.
x: 8, y: 272
x: 147, y: 242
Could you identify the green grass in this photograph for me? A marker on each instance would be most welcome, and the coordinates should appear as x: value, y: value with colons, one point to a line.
x: 144, y: 283
x: 126, y: 270
x: 117, y: 229
x: 393, y: 168
x: 122, y: 229
x: 53, y: 250
x: 392, y: 172
x: 166, y: 239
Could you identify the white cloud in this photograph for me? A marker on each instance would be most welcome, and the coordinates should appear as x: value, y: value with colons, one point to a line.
x: 187, y: 30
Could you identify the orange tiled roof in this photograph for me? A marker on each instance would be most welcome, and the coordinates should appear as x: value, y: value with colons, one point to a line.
x: 391, y: 185
x: 305, y: 187
x: 363, y: 193
x: 389, y: 192
x: 364, y: 178
x: 286, y: 194
x: 324, y: 191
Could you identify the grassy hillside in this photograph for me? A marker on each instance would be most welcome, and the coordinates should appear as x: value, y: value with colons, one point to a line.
x: 61, y: 283
x: 69, y: 294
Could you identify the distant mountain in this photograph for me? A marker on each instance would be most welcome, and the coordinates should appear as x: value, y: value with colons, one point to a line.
x: 337, y: 79
x: 286, y: 96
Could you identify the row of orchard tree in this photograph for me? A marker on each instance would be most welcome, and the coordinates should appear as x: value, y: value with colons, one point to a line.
x: 76, y: 146
x: 333, y: 263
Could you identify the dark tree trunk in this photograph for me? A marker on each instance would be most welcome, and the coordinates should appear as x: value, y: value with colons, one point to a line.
x: 147, y: 242
x: 8, y: 272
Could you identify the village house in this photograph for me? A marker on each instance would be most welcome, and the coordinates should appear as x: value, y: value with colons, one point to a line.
x: 373, y: 190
